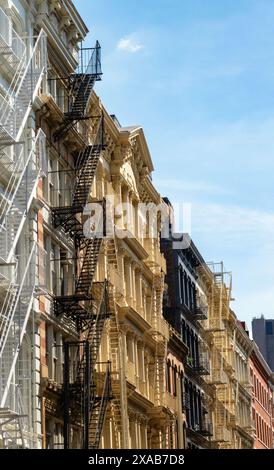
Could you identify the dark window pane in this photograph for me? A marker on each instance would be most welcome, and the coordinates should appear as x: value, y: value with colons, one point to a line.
x: 269, y: 328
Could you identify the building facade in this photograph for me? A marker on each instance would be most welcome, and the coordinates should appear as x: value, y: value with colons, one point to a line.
x: 186, y: 310
x: 262, y: 400
x: 230, y: 349
x: 23, y: 51
x: 175, y: 394
x: 263, y: 335
x: 110, y: 337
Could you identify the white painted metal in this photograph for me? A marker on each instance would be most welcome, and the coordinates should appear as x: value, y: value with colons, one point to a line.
x: 19, y: 194
x: 16, y: 105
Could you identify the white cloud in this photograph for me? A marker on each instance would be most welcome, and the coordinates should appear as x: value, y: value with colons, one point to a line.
x: 129, y: 44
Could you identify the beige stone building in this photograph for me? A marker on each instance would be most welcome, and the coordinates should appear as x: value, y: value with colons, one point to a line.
x: 86, y: 357
x: 230, y: 349
x: 125, y: 274
x: 135, y: 337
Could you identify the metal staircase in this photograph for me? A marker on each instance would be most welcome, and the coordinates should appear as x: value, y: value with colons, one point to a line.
x: 86, y: 391
x: 13, y: 427
x: 82, y: 404
x: 80, y: 88
x: 12, y: 47
x: 18, y: 196
x: 90, y: 258
x: 94, y: 332
x: 86, y: 165
x: 98, y: 412
x: 65, y: 217
x: 118, y: 367
x: 14, y: 318
x: 16, y: 105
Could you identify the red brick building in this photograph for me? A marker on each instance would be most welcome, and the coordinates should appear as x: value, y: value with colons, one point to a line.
x: 262, y: 380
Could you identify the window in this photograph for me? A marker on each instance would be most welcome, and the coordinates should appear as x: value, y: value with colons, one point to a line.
x: 48, y: 343
x: 51, y: 184
x: 184, y: 331
x: 168, y: 377
x: 175, y: 381
x: 58, y: 436
x: 269, y: 327
x: 130, y: 348
x: 54, y: 356
x: 54, y: 269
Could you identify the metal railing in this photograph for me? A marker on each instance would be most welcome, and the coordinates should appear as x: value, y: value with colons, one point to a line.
x: 10, y: 41
x: 16, y: 319
x: 218, y: 376
x: 204, y: 428
x: 19, y: 194
x: 16, y: 104
x: 222, y: 434
x: 89, y: 60
x: 201, y: 311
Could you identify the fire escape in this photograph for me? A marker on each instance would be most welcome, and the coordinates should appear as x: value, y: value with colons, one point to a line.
x: 21, y: 166
x: 86, y: 391
x: 80, y: 87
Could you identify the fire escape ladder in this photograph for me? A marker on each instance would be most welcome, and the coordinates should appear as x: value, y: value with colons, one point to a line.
x: 90, y: 258
x: 17, y: 314
x: 19, y: 195
x: 12, y: 47
x: 82, y: 84
x: 86, y: 166
x: 98, y: 412
x: 82, y: 404
x: 118, y: 374
x: 85, y: 179
x: 16, y: 105
x: 13, y: 427
x: 94, y: 333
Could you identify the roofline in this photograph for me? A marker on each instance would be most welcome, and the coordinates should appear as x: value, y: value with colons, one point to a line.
x: 256, y: 351
x: 139, y: 132
x: 71, y: 8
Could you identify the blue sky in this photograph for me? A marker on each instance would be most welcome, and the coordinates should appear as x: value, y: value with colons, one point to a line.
x: 198, y: 75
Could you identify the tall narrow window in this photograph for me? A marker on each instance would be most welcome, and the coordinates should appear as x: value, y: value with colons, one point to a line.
x: 175, y: 381
x: 168, y: 377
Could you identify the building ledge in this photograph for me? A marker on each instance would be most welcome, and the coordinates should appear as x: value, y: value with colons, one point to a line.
x: 55, y: 117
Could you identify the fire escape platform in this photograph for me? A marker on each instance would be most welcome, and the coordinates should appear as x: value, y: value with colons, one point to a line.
x: 56, y: 116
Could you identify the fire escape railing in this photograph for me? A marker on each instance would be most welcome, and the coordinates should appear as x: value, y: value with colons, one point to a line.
x: 80, y: 87
x: 98, y: 413
x: 14, y: 318
x: 16, y: 105
x: 199, y: 365
x: 12, y: 47
x: 82, y: 405
x: 18, y: 196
